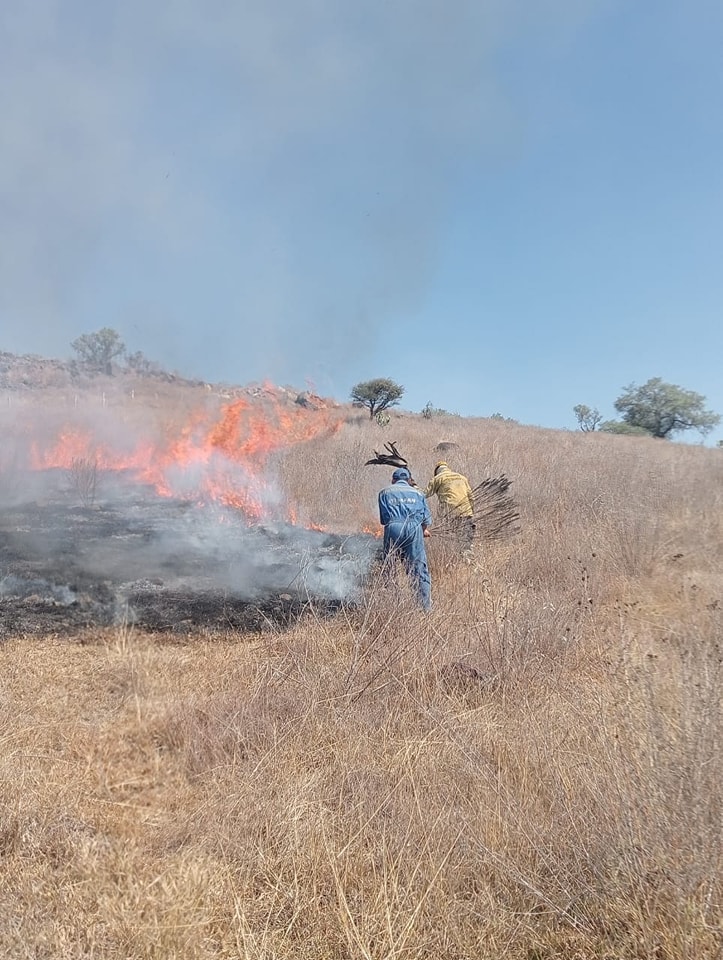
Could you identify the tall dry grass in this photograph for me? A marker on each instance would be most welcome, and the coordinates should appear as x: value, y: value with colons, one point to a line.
x: 532, y: 771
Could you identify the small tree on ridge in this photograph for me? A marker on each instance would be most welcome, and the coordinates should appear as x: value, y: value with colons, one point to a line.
x: 98, y: 350
x: 587, y: 418
x: 377, y: 395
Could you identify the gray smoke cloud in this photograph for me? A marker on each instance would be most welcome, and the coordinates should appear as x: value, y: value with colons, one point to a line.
x: 135, y: 556
x: 240, y: 188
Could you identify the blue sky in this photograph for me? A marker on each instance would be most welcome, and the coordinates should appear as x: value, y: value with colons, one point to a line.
x: 506, y: 206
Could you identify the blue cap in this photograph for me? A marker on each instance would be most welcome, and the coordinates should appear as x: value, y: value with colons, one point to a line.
x: 401, y: 474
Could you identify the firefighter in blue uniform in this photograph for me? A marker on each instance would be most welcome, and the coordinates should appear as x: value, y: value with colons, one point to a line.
x: 404, y: 513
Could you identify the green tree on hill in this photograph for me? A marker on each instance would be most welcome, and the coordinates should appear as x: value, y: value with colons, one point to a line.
x: 661, y: 410
x: 377, y: 395
x: 588, y: 418
x: 97, y: 351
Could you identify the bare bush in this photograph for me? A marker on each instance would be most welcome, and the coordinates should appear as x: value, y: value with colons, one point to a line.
x: 84, y: 479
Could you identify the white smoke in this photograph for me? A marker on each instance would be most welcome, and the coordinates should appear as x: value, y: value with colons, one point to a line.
x: 187, y: 170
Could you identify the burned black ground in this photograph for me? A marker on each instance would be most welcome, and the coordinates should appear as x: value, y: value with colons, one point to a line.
x: 165, y: 565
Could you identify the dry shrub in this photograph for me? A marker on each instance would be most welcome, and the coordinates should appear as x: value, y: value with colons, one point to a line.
x: 84, y: 479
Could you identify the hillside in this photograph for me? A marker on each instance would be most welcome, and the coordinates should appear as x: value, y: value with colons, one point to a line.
x: 531, y: 771
x: 32, y: 376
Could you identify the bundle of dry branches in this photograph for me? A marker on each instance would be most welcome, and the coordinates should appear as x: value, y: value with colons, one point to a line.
x: 495, y: 515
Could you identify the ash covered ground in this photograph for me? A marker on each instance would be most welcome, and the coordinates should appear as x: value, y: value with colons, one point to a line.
x: 163, y: 564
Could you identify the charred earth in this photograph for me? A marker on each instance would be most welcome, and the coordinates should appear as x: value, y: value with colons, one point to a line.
x: 164, y: 564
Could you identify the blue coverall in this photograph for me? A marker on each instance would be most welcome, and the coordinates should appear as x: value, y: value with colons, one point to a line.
x: 402, y: 512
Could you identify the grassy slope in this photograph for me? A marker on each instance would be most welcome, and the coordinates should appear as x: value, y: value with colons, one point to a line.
x: 347, y: 790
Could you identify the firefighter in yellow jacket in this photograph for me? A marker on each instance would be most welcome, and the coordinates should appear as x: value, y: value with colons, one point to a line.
x: 456, y: 500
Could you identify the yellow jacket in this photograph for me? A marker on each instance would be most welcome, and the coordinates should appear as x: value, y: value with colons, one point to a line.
x: 453, y: 492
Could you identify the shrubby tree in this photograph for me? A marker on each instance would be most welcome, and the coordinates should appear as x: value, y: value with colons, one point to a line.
x: 139, y: 363
x: 98, y: 350
x: 663, y: 409
x: 377, y: 395
x: 619, y: 426
x: 588, y: 418
x: 429, y: 411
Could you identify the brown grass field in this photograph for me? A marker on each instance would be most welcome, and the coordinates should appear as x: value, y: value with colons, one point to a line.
x: 532, y: 771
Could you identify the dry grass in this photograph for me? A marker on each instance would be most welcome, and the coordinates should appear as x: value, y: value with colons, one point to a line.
x: 533, y: 771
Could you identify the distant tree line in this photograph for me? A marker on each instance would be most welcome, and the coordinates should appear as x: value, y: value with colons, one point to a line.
x: 98, y: 352
x: 654, y: 409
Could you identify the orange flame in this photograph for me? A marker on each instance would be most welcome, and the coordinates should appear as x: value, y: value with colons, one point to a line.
x: 219, y: 459
x: 374, y: 531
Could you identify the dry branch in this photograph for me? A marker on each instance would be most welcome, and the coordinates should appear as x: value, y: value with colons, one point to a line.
x: 392, y: 458
x: 84, y: 478
x: 495, y: 515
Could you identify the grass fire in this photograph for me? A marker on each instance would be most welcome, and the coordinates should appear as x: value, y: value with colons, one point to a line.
x: 169, y: 525
x: 225, y: 734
